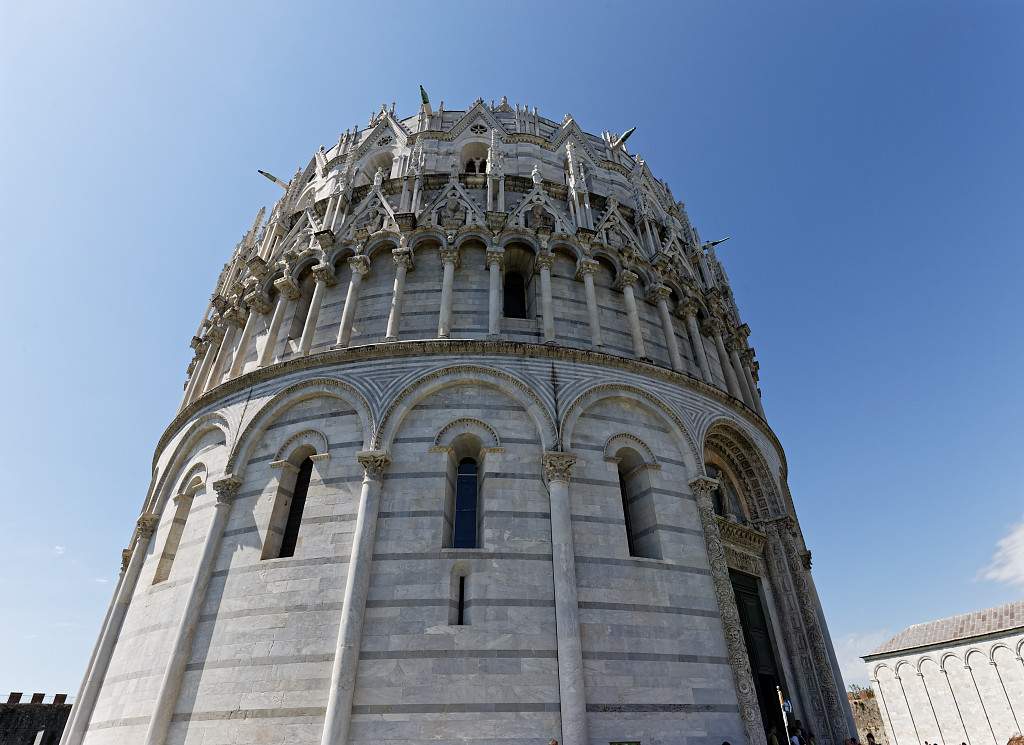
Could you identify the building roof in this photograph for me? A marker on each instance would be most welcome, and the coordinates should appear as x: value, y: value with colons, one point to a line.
x: 956, y: 628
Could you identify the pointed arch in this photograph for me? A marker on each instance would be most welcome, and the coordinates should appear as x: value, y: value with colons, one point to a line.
x: 445, y: 377
x: 289, y: 397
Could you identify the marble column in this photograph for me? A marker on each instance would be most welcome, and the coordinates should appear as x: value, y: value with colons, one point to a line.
x: 625, y: 283
x: 287, y: 291
x: 781, y: 532
x: 733, y: 346
x: 688, y: 309
x: 572, y: 693
x: 746, y: 694
x: 258, y: 305
x: 403, y: 263
x: 233, y: 323
x: 450, y: 260
x: 170, y: 681
x: 585, y: 270
x: 544, y: 263
x: 731, y: 383
x: 324, y: 274
x: 495, y: 259
x: 659, y: 294
x: 747, y: 357
x: 357, y: 584
x: 360, y: 266
x: 205, y: 348
x: 81, y: 712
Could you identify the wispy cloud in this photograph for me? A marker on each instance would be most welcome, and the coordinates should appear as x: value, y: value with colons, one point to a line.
x: 1007, y: 564
x: 100, y: 580
x: 849, y: 650
x: 58, y: 550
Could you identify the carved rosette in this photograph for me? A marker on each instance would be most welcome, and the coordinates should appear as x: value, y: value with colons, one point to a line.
x: 746, y: 694
x: 374, y: 462
x: 226, y: 489
x: 558, y: 466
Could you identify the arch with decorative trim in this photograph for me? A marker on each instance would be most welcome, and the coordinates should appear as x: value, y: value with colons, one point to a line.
x: 444, y: 377
x: 746, y: 463
x: 182, y: 453
x: 286, y: 399
x: 603, y: 391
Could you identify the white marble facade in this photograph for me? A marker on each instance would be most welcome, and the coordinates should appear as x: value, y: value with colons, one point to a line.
x: 955, y: 680
x: 485, y: 282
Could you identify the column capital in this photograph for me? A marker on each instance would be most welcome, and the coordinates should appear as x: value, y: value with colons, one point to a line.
x: 733, y: 343
x: 373, y: 462
x: 688, y: 307
x: 402, y: 257
x: 234, y: 316
x: 257, y: 266
x: 258, y: 302
x: 359, y: 264
x: 558, y: 465
x: 287, y: 287
x: 586, y: 266
x: 743, y: 332
x: 626, y: 278
x: 713, y: 327
x: 215, y: 335
x: 545, y: 260
x: 449, y: 255
x: 702, y: 486
x: 747, y: 355
x: 659, y: 292
x: 227, y: 489
x: 126, y: 556
x: 324, y: 273
x: 495, y: 255
x: 146, y: 524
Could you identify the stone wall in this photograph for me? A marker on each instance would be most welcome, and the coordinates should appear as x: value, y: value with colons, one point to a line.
x: 33, y: 722
x: 868, y: 718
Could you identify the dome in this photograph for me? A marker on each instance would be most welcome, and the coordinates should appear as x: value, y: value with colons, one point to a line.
x: 471, y: 449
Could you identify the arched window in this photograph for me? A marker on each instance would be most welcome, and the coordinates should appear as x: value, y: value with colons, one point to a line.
x: 464, y: 531
x: 286, y: 518
x: 182, y: 507
x: 470, y: 166
x: 635, y: 489
x: 514, y: 295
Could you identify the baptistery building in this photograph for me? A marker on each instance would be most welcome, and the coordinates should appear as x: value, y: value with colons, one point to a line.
x: 471, y: 450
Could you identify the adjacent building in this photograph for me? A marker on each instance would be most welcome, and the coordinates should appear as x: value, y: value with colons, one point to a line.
x: 956, y: 680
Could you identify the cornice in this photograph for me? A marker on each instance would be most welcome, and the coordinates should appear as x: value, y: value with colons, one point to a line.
x: 427, y: 348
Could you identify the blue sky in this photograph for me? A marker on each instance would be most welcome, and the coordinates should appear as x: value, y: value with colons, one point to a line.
x: 866, y: 158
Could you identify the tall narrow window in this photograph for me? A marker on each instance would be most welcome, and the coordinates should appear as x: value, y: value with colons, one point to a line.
x: 458, y: 602
x: 638, y: 509
x: 624, y: 493
x: 291, y: 529
x: 514, y: 295
x: 465, y: 529
x: 460, y: 618
x: 183, y: 503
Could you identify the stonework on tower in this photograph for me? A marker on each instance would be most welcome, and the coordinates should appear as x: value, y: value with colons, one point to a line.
x: 472, y: 449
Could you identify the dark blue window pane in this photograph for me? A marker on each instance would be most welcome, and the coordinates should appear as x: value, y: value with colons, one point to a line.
x: 465, y: 506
